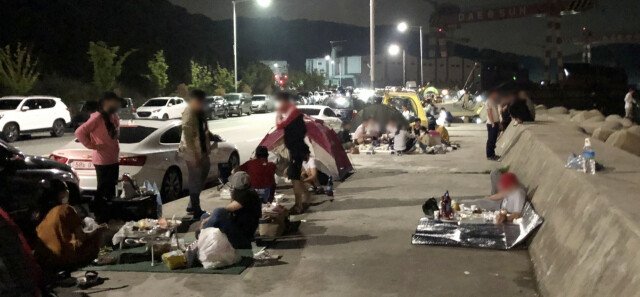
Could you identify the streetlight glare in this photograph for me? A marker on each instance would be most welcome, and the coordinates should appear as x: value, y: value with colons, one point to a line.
x: 403, y: 27
x: 264, y: 3
x: 394, y: 49
x: 327, y: 57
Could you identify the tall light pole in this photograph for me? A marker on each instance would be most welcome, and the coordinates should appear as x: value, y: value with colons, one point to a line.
x: 394, y: 50
x: 403, y: 27
x: 372, y: 42
x: 262, y: 3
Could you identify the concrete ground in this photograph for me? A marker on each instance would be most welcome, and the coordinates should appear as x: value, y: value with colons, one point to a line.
x: 359, y: 245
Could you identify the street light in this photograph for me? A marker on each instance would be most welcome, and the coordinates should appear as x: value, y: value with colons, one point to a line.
x: 404, y: 27
x: 394, y: 50
x: 327, y: 58
x: 262, y: 3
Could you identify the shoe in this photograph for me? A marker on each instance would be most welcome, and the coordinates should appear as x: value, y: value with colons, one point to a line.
x: 494, y: 158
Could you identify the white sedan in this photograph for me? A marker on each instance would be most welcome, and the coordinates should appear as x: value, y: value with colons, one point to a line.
x: 161, y: 108
x: 324, y: 113
x: 148, y: 152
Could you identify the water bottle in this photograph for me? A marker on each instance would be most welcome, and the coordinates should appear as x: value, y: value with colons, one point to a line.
x: 589, y: 156
x: 329, y: 188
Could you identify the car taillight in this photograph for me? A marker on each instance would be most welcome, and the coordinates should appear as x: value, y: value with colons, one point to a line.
x: 59, y: 159
x: 133, y: 161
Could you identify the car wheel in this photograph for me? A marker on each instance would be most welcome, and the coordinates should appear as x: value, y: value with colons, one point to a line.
x: 165, y: 117
x: 171, y: 185
x: 250, y: 112
x: 11, y: 132
x: 57, y: 130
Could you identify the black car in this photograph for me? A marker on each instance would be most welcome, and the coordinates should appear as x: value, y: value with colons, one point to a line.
x: 24, y: 179
x: 217, y: 107
x: 84, y: 112
x: 345, y: 107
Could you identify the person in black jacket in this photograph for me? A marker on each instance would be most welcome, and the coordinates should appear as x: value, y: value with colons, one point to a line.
x: 345, y: 136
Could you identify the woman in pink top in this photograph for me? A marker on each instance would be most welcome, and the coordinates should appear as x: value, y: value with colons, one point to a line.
x: 100, y: 134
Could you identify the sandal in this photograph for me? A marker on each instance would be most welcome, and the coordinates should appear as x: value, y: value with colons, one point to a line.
x: 90, y: 279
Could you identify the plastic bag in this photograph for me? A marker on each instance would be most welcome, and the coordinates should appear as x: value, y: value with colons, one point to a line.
x: 215, y: 250
x: 574, y: 162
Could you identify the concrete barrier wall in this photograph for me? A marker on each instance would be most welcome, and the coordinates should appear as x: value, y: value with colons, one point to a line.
x: 589, y: 244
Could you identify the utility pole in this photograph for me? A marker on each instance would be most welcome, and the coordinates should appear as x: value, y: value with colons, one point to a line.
x: 372, y: 42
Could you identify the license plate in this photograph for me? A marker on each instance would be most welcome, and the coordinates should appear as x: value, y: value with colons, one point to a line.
x: 81, y: 165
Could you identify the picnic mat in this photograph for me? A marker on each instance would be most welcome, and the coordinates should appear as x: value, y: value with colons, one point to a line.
x: 488, y: 236
x: 138, y: 259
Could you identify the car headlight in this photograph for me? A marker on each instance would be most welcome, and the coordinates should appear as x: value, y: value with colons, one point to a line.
x: 157, y: 110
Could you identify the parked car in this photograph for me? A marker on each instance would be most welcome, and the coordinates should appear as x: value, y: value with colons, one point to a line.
x: 84, y: 112
x: 25, y: 115
x: 344, y: 107
x: 216, y: 107
x: 128, y: 110
x: 324, y: 113
x: 161, y: 108
x: 23, y: 179
x: 238, y: 103
x: 263, y: 103
x: 149, y: 152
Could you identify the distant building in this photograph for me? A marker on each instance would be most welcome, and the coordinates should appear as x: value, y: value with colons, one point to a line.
x: 354, y: 70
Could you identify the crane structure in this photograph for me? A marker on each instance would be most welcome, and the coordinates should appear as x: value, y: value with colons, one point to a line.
x: 448, y: 18
x: 588, y: 40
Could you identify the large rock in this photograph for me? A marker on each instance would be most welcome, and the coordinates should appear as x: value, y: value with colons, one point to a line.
x: 602, y: 134
x: 593, y: 115
x: 626, y: 122
x: 612, y: 125
x: 558, y: 110
x: 589, y: 127
x: 613, y: 118
x: 540, y: 107
x: 573, y: 112
x: 595, y: 112
x: 595, y: 118
x: 634, y: 129
x: 580, y: 116
x: 625, y: 140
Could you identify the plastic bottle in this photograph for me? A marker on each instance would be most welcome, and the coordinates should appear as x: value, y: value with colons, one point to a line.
x: 329, y: 188
x: 589, y: 155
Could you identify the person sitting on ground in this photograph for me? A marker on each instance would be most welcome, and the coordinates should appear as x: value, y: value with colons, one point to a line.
x: 262, y: 174
x: 403, y: 142
x: 310, y: 175
x: 415, y: 129
x: 240, y: 218
x: 367, y: 132
x: 63, y: 244
x: 345, y: 136
x: 424, y: 139
x: 512, y: 198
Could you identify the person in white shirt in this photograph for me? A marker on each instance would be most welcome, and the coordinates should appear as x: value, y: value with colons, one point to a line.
x: 493, y: 125
x: 369, y: 129
x: 511, y: 196
x: 406, y: 113
x: 628, y: 104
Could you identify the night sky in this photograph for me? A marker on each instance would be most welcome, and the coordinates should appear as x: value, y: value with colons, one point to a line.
x: 523, y: 36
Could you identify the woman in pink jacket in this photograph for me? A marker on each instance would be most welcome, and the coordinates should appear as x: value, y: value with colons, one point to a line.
x: 100, y: 134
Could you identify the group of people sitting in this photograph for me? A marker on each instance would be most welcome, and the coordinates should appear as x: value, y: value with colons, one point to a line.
x: 399, y: 138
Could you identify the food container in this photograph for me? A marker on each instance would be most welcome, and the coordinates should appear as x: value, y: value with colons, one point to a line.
x: 174, y: 260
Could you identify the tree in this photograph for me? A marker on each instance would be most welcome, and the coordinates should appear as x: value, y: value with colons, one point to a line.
x: 223, y: 79
x: 17, y: 69
x: 303, y: 81
x: 107, y: 64
x: 201, y: 77
x: 158, y: 72
x: 259, y: 77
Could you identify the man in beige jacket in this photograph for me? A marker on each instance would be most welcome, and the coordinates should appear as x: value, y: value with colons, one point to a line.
x: 195, y: 147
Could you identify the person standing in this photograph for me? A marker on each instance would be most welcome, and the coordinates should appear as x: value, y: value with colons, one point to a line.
x: 291, y: 120
x: 628, y: 104
x: 493, y: 127
x: 100, y: 134
x: 195, y: 146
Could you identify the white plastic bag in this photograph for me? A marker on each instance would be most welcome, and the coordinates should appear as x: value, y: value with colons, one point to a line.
x: 215, y: 250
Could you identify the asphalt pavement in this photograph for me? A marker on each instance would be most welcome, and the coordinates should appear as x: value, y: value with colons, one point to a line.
x: 245, y: 132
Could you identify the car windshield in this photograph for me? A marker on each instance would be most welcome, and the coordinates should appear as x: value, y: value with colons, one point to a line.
x: 340, y: 103
x: 232, y: 97
x: 9, y: 104
x: 134, y: 134
x: 310, y: 111
x: 259, y: 98
x: 156, y: 102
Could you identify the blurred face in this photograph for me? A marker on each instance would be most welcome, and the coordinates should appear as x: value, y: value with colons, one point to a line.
x: 111, y: 105
x: 195, y: 104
